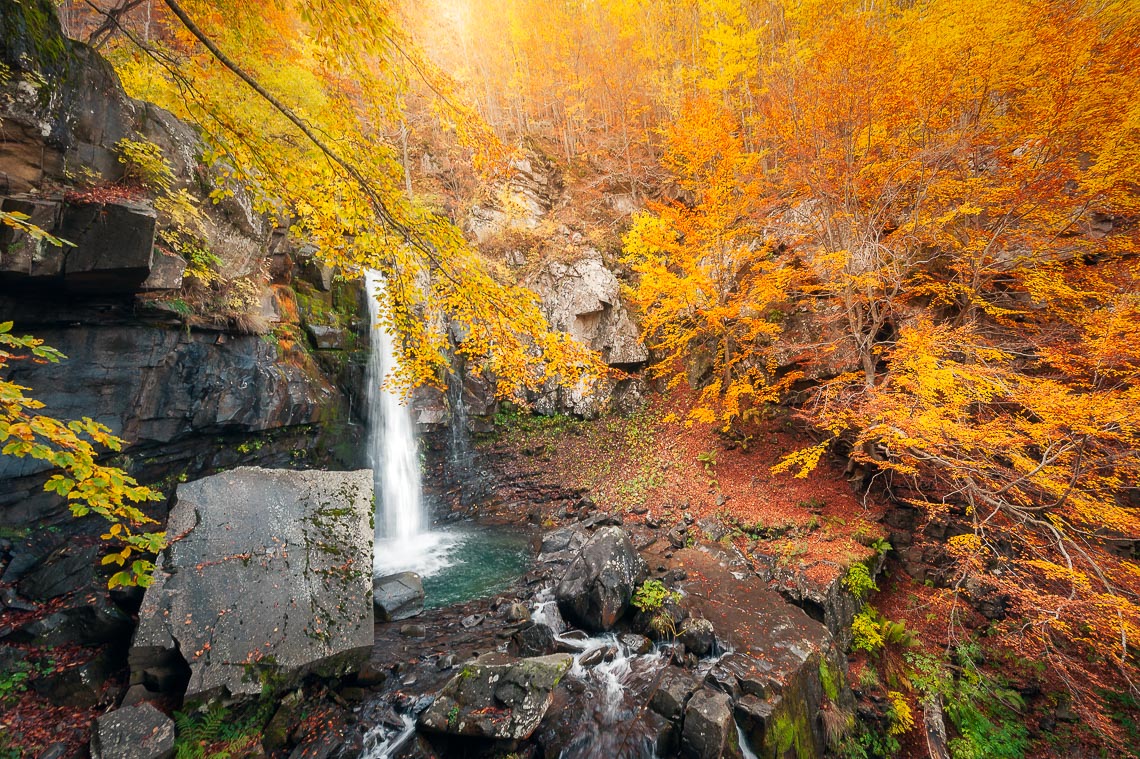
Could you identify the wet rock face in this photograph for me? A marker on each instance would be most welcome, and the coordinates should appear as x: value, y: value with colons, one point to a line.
x: 398, y: 596
x: 501, y: 701
x: 708, y: 724
x: 155, y: 385
x: 597, y: 586
x: 135, y: 732
x: 268, y: 569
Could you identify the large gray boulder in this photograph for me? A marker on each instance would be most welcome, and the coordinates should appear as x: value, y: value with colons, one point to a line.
x: 596, y: 588
x: 114, y: 246
x: 267, y: 571
x: 134, y: 732
x: 501, y: 701
x: 398, y: 596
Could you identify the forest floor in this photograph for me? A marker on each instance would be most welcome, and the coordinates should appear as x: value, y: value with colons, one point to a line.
x: 653, y: 467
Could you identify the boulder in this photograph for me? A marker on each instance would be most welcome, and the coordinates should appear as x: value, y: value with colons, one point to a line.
x: 329, y: 338
x: 708, y: 725
x: 65, y: 570
x: 91, y: 622
x: 516, y: 612
x: 135, y: 732
x: 698, y: 636
x: 788, y: 663
x: 114, y: 246
x: 816, y: 588
x: 79, y: 685
x: 597, y: 586
x: 563, y: 539
x: 499, y: 701
x: 22, y: 255
x: 672, y: 694
x: 166, y: 272
x: 269, y: 570
x: 398, y: 596
x: 635, y: 644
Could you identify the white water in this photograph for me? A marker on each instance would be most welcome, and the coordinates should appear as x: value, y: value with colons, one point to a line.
x: 392, y: 452
x: 382, y: 742
x: 745, y: 748
x: 614, y: 686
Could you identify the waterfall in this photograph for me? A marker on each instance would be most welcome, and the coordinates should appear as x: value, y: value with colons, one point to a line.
x: 459, y: 446
x: 392, y: 448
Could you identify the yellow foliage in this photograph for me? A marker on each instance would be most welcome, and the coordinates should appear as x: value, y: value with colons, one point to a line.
x: 902, y: 717
x: 70, y: 447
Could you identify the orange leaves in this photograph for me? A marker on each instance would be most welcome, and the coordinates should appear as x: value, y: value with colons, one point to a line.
x: 709, y: 287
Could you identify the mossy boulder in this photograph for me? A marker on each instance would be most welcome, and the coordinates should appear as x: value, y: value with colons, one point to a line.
x: 499, y: 701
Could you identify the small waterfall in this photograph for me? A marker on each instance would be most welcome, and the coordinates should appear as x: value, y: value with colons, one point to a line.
x: 603, y: 717
x: 742, y: 741
x: 462, y: 459
x: 392, y: 448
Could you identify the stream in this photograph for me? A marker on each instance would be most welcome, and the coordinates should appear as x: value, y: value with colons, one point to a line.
x: 600, y: 708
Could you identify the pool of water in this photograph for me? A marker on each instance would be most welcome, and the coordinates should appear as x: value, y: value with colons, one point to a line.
x: 458, y: 563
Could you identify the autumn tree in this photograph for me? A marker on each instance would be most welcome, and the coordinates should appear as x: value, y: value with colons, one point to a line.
x: 295, y: 102
x: 710, y: 287
x: 72, y: 448
x: 948, y: 181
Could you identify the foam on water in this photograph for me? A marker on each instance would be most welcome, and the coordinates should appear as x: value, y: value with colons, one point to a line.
x: 382, y: 742
x: 425, y: 553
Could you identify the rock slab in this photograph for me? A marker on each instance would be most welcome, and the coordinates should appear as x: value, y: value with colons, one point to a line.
x: 596, y: 588
x: 134, y: 732
x: 499, y: 701
x: 398, y: 596
x: 268, y: 571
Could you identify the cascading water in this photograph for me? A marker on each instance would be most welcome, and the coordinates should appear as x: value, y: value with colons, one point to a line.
x: 405, y: 538
x: 403, y: 542
x: 392, y: 449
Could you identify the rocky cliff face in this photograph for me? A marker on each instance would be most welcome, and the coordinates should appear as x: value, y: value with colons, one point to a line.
x: 190, y: 395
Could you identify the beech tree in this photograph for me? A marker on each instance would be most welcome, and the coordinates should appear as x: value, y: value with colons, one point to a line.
x: 710, y: 288
x: 294, y: 101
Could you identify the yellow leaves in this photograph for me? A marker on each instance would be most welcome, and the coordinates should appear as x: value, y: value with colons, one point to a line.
x: 967, y: 544
x: 806, y: 459
x: 1056, y: 572
x: 88, y: 486
x: 902, y: 717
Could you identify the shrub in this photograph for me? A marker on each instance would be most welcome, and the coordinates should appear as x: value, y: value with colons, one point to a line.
x: 145, y: 165
x: 858, y: 580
